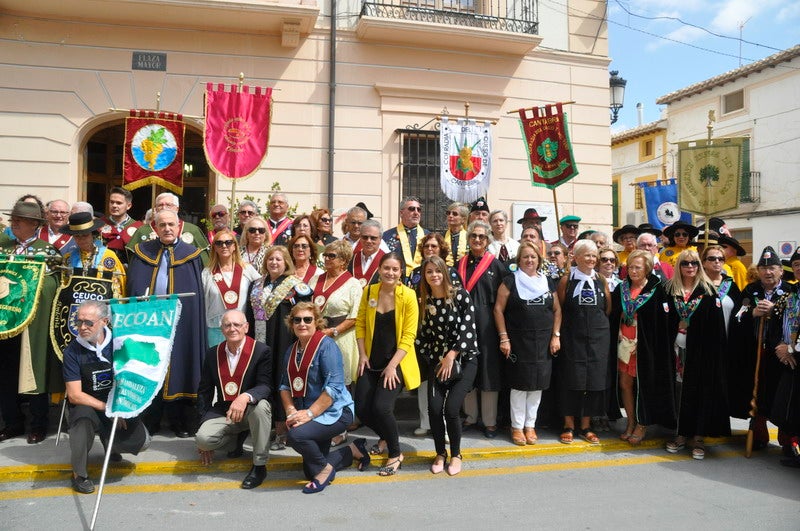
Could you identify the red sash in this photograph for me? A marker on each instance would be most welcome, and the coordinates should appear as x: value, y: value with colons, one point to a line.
x: 321, y: 295
x: 231, y: 384
x: 229, y: 294
x: 298, y: 372
x: 61, y: 241
x: 365, y: 276
x: 309, y: 273
x: 280, y: 228
x: 480, y: 269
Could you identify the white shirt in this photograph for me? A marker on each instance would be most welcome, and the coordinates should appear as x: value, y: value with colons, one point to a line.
x: 233, y: 361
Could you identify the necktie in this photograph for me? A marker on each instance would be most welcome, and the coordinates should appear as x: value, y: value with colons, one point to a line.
x: 162, y: 277
x: 503, y: 253
x: 412, y: 239
x: 454, y: 245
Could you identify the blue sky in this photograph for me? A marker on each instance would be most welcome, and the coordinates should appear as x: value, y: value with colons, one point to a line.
x: 658, y: 56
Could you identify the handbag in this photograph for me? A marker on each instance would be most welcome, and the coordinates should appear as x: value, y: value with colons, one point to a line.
x: 456, y: 372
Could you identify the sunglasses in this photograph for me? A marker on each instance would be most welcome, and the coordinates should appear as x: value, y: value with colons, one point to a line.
x: 478, y: 236
x: 259, y: 230
x: 431, y: 246
x: 330, y: 256
x: 414, y: 208
x: 300, y: 246
x: 325, y: 220
x: 571, y: 225
x: 218, y: 214
x: 223, y: 243
x: 607, y: 260
x: 691, y: 263
x: 681, y: 234
x: 247, y: 213
x: 370, y: 238
x: 307, y: 319
x: 715, y: 259
x: 87, y: 322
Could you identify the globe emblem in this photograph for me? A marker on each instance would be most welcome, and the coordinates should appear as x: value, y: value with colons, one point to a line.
x: 668, y: 213
x: 154, y: 147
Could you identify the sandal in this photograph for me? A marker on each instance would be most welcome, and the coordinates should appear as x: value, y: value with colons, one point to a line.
x: 389, y: 469
x: 517, y: 437
x: 279, y: 443
x: 676, y: 445
x: 589, y: 436
x: 626, y: 436
x: 437, y: 467
x: 699, y: 450
x: 365, y: 459
x: 638, y: 434
x: 454, y: 467
x: 339, y: 439
x: 530, y: 436
x: 377, y: 449
x: 567, y: 435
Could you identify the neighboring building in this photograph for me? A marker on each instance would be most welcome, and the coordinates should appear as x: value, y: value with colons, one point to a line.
x: 397, y: 64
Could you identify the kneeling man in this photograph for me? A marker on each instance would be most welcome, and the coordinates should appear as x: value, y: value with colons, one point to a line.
x: 88, y: 374
x: 240, y: 370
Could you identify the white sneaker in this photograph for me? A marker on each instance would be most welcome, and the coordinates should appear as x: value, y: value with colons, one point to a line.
x: 421, y: 432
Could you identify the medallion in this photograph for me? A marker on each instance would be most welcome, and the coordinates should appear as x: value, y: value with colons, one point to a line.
x: 231, y: 388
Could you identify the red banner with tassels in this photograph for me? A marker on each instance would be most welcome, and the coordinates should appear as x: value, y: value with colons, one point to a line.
x: 153, y: 150
x: 548, y: 146
x: 237, y: 129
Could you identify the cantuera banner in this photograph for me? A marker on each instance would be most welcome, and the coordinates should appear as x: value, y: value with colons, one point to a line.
x: 20, y: 284
x: 710, y: 175
x: 143, y: 335
x: 465, y: 158
x: 661, y: 202
x: 546, y: 138
x: 153, y: 151
x: 72, y: 291
x: 236, y: 136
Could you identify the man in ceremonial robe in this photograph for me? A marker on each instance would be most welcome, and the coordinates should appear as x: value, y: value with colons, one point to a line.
x: 279, y: 225
x: 56, y: 214
x: 164, y: 266
x: 239, y: 370
x: 367, y: 254
x: 31, y: 348
x: 118, y: 226
x: 403, y: 238
x: 187, y: 232
x: 90, y: 254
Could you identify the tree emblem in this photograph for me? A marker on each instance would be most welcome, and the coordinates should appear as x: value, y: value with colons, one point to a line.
x: 708, y: 174
x: 548, y: 150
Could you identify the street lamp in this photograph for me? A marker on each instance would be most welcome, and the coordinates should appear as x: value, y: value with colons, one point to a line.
x: 617, y: 93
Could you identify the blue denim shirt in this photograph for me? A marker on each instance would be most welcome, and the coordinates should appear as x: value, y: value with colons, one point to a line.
x: 325, y: 374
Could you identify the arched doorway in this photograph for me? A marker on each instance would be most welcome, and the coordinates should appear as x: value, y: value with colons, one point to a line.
x: 103, y: 162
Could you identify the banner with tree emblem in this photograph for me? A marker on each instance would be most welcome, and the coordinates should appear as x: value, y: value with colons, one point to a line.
x: 465, y: 159
x: 710, y: 175
x: 20, y: 285
x: 143, y: 335
x: 661, y: 202
x: 72, y: 291
x: 153, y: 151
x: 547, y: 143
x: 236, y: 136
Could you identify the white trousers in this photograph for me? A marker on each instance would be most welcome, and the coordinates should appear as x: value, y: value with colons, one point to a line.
x: 524, y: 408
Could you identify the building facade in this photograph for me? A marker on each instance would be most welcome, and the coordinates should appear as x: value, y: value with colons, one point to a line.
x: 357, y: 87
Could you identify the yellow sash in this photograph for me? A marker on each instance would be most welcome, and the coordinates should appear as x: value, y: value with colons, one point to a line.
x: 462, y: 246
x: 402, y: 237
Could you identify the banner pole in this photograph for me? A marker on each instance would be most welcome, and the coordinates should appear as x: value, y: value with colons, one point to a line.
x: 103, y: 473
x: 147, y: 297
x: 558, y: 226
x: 61, y: 419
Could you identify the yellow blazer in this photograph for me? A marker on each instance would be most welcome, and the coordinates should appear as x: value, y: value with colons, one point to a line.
x: 406, y: 316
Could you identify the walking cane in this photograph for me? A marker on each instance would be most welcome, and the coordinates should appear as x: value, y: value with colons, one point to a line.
x: 748, y: 446
x: 61, y: 419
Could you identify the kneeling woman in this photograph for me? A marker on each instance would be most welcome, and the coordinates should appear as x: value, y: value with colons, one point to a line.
x: 316, y: 401
x: 385, y: 331
x: 447, y: 341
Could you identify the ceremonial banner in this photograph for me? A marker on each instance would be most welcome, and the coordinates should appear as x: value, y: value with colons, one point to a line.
x: 70, y: 294
x: 710, y: 175
x: 153, y: 150
x: 143, y: 335
x: 661, y: 201
x: 547, y: 144
x: 237, y: 129
x: 20, y: 285
x: 466, y: 159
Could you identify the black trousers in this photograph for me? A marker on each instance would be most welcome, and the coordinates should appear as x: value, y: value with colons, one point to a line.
x: 375, y: 407
x: 312, y: 441
x: 10, y: 400
x: 444, y: 406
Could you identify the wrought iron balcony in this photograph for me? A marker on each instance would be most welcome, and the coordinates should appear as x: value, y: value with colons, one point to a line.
x: 513, y: 16
x: 502, y: 26
x: 750, y: 191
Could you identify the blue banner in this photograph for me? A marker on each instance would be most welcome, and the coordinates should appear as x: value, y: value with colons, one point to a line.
x: 661, y: 201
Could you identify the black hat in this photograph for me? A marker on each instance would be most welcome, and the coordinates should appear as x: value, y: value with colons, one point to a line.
x: 795, y: 256
x: 691, y: 229
x: 26, y: 209
x: 81, y: 223
x: 585, y: 234
x: 363, y: 207
x: 532, y: 216
x: 732, y: 242
x: 647, y: 227
x: 718, y: 226
x: 625, y: 229
x: 788, y: 272
x: 713, y: 238
x: 479, y: 205
x: 769, y: 257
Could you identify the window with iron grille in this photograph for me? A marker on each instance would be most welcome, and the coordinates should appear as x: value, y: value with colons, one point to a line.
x: 419, y: 176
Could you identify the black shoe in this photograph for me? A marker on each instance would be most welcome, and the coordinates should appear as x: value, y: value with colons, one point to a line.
x: 36, y: 436
x: 180, y: 431
x: 255, y: 477
x: 115, y: 457
x: 152, y: 427
x: 82, y: 485
x: 239, y: 450
x: 9, y: 432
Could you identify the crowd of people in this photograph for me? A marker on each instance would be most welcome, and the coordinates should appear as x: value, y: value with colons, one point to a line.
x: 307, y: 336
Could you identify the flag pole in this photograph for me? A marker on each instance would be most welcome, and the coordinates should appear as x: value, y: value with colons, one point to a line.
x: 558, y: 226
x: 148, y: 297
x: 103, y: 473
x: 61, y: 419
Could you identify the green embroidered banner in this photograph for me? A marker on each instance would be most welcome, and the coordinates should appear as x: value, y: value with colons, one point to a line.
x: 20, y: 284
x: 547, y: 144
x: 710, y: 175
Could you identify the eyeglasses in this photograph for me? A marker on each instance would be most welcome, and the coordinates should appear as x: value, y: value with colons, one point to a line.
x: 692, y: 263
x: 307, y: 319
x: 478, y: 236
x: 233, y: 325
x: 218, y: 214
x: 300, y: 246
x: 414, y: 208
x: 325, y: 220
x: 247, y: 212
x: 259, y: 230
x: 223, y: 243
x: 681, y: 234
x: 330, y: 256
x: 370, y: 238
x: 84, y: 322
x: 356, y: 223
x: 715, y: 259
x: 571, y: 225
x: 608, y: 260
x: 453, y: 213
x: 58, y: 212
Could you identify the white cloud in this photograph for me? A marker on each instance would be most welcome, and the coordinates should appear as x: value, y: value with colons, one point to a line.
x: 682, y: 34
x: 734, y: 12
x: 789, y: 12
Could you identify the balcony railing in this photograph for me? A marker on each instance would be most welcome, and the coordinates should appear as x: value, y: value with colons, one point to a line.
x: 750, y: 191
x: 516, y: 16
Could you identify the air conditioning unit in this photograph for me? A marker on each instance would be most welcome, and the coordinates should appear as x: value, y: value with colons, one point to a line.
x: 635, y: 218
